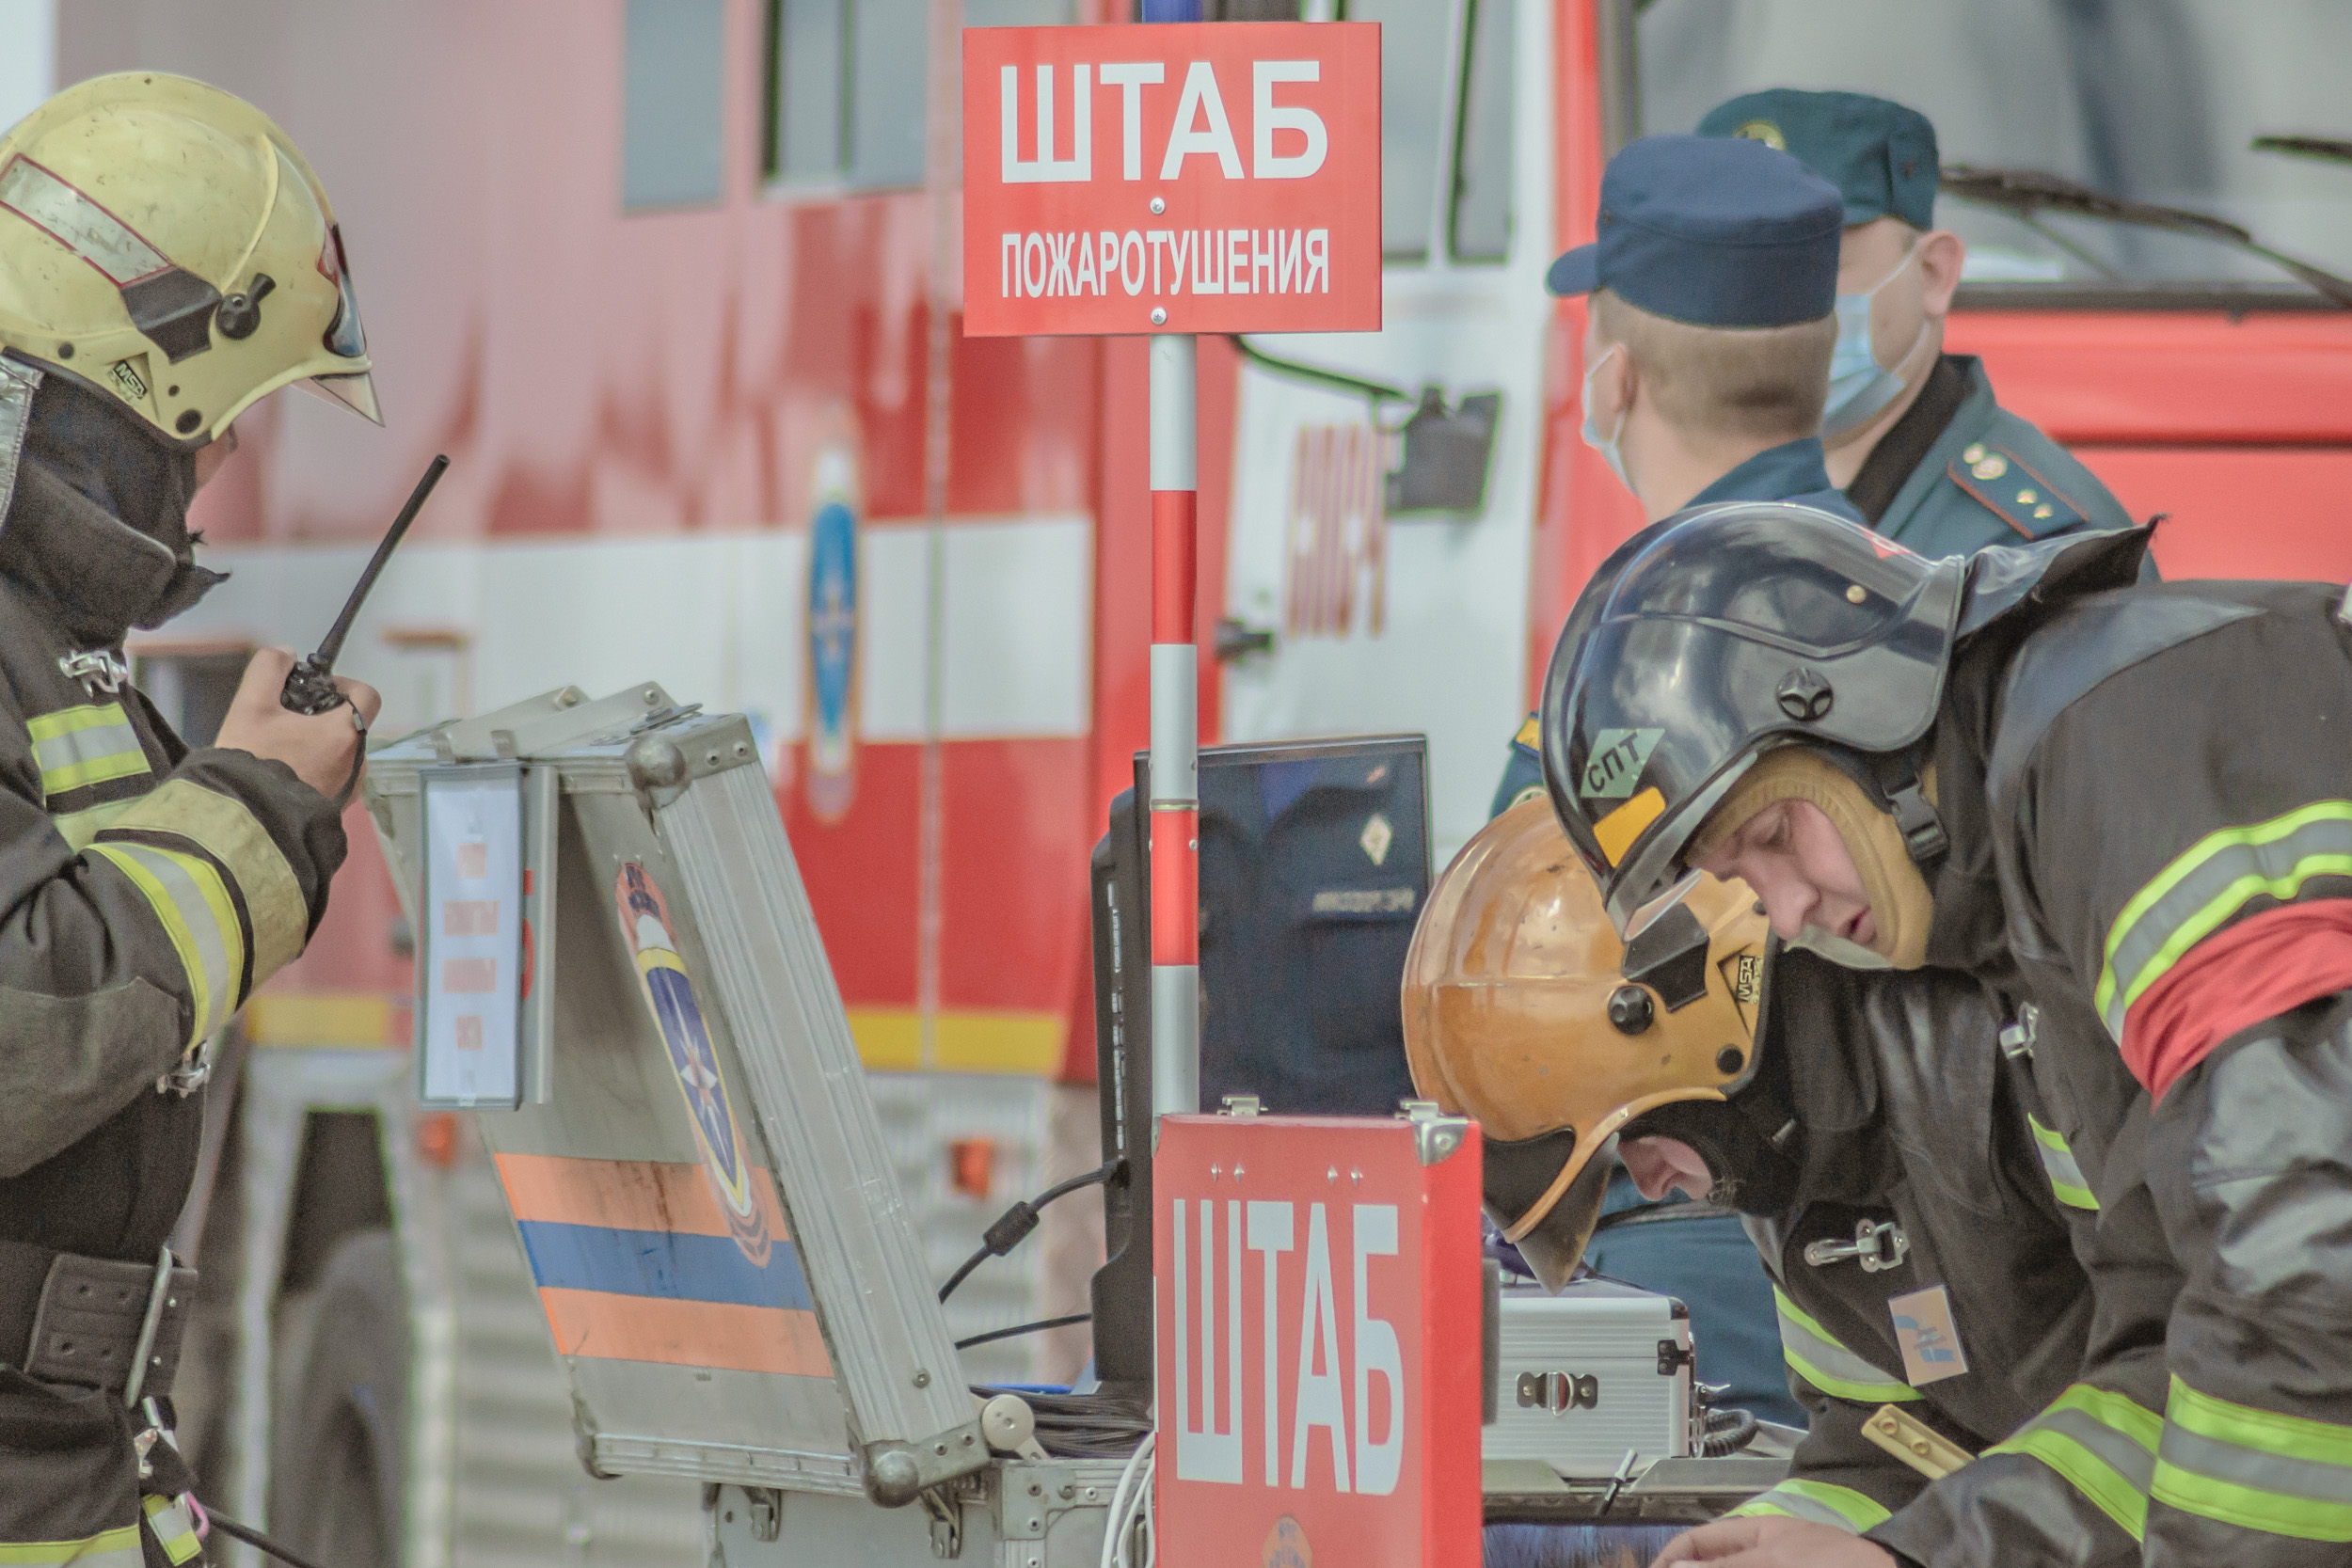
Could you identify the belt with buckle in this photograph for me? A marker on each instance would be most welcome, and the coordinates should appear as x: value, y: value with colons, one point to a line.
x: 95, y: 1323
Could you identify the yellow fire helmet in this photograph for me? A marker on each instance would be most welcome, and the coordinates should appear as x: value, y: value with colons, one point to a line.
x: 1524, y: 1010
x: 163, y: 241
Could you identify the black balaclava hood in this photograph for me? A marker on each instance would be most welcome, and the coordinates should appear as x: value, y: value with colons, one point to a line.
x: 81, y: 448
x: 1752, y: 1143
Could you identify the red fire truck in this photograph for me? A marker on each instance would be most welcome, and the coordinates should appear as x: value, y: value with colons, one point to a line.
x: 673, y: 283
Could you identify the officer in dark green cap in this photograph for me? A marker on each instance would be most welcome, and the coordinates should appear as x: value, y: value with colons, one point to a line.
x: 1911, y: 434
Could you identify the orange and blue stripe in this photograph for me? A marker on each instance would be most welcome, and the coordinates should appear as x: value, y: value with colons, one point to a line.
x: 635, y: 1262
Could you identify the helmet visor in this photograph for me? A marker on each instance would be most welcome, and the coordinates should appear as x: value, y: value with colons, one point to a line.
x: 1550, y: 1221
x: 354, y: 392
x: 345, y: 338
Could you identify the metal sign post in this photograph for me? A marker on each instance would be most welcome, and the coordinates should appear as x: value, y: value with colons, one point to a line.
x: 1175, y: 802
x: 1172, y: 180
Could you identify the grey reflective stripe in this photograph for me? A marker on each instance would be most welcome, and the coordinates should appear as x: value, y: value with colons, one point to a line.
x: 114, y: 1548
x: 1828, y: 1366
x: 2263, y: 1469
x: 2103, y: 1443
x: 2057, y: 1163
x: 81, y: 225
x: 2211, y: 880
x: 2110, y: 1446
x: 2271, y: 1472
x: 1841, y: 1507
x: 189, y: 898
x: 17, y: 385
x: 82, y: 746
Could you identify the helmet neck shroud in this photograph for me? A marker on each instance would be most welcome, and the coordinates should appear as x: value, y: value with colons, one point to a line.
x: 97, y: 523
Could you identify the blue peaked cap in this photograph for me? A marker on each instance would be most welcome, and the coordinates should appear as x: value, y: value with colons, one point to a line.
x: 1712, y: 231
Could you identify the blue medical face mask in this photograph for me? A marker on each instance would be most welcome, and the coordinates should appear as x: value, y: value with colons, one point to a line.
x: 1859, y: 387
x: 1605, y: 445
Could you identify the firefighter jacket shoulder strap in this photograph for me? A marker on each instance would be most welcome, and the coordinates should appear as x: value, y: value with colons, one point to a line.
x: 2086, y: 643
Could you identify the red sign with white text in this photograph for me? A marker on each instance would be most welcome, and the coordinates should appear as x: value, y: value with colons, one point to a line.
x: 1319, y: 1344
x: 1207, y: 177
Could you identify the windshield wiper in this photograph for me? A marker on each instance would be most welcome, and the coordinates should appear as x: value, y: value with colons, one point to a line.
x: 2027, y: 193
x: 2326, y: 148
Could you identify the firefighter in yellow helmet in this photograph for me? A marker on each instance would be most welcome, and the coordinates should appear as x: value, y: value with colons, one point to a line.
x: 1885, y: 1170
x: 167, y: 257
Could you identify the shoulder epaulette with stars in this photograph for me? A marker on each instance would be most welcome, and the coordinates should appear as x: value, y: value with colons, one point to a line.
x: 2013, y: 492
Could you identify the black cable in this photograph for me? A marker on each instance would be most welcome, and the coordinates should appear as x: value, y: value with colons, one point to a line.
x: 1376, y: 392
x: 1037, y: 1327
x: 1728, y: 1431
x: 1014, y: 1224
x: 254, y: 1538
x: 1097, y: 1425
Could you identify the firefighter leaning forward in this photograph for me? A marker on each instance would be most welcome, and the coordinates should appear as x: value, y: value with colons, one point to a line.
x: 1863, y: 1124
x: 2126, y: 811
x: 166, y: 258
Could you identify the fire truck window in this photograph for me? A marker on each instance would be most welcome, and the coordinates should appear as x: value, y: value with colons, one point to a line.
x: 849, y: 85
x: 1018, y: 13
x: 805, y: 129
x: 672, y: 148
x: 1482, y: 156
x: 2158, y: 100
x: 1416, y: 43
x: 889, y: 75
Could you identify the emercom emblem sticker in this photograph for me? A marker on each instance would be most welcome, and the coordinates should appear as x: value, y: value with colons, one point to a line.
x: 1616, y: 764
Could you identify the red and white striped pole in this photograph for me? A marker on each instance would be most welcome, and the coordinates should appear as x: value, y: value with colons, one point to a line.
x: 1174, y: 773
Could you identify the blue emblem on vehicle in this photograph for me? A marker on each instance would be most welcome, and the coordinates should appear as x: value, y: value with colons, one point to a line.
x: 832, y: 611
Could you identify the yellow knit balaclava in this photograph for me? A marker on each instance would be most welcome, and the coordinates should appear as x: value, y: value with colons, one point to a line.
x: 1901, y: 905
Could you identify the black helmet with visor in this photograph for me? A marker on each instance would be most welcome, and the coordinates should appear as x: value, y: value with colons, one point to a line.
x: 1715, y: 636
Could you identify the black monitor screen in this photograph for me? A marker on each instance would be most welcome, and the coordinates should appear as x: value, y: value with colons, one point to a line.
x: 1315, y: 860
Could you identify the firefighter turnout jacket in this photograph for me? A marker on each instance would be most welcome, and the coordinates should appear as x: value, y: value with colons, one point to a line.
x: 145, y: 890
x: 2149, y: 797
x: 1923, y: 1259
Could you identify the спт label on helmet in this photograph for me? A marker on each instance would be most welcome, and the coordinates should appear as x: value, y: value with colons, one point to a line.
x: 1616, y: 764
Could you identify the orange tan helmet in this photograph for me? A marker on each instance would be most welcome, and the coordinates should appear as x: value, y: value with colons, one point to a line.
x: 1524, y: 1010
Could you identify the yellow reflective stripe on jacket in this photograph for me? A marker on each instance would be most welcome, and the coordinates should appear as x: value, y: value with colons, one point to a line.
x: 1818, y: 1502
x: 2102, y: 1444
x: 2057, y: 1163
x: 1828, y: 1366
x: 188, y: 897
x: 80, y: 827
x: 89, y: 745
x: 174, y: 1527
x: 2193, y: 897
x: 224, y: 829
x: 2289, y: 1474
x: 114, y: 1548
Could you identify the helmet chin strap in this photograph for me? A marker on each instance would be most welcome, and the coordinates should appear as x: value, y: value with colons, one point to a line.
x: 1915, y: 819
x: 1899, y: 780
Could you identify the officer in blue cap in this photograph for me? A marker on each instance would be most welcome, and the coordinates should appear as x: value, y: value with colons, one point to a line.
x: 1714, y: 282
x: 1707, y: 355
x: 1912, y: 433
x: 1706, y: 348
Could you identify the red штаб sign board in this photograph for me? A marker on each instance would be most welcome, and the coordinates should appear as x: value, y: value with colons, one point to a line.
x: 1318, y: 1342
x: 1195, y: 177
